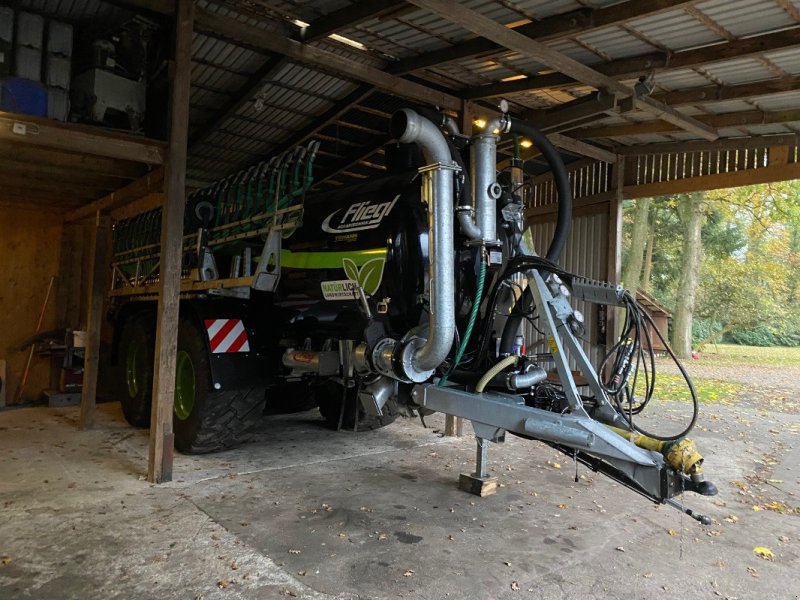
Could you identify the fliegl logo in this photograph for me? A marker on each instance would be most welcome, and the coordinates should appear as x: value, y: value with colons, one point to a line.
x: 358, y: 217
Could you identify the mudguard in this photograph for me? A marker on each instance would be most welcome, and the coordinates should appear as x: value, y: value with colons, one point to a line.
x: 237, y: 341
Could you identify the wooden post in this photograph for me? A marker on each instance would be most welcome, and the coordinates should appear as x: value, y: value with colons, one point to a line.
x: 161, y: 436
x: 614, y: 248
x: 101, y: 238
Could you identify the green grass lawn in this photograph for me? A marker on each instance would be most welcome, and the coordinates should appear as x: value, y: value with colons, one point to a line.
x: 729, y: 355
x: 673, y: 387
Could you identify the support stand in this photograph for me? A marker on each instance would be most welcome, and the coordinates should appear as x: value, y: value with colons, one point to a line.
x: 479, y: 483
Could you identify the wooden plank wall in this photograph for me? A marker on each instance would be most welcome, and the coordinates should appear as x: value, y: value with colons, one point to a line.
x: 30, y: 252
x: 669, y: 172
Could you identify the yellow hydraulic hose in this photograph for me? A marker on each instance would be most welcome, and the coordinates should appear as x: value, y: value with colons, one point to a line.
x: 489, y: 375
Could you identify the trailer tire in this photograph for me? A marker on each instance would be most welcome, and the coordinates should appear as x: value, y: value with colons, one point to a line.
x: 329, y: 397
x: 134, y: 380
x: 208, y: 420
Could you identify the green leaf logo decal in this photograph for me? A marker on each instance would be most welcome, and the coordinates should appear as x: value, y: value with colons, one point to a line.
x: 368, y: 277
x: 350, y: 269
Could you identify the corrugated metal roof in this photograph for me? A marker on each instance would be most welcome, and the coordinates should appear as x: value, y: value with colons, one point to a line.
x: 727, y: 106
x: 746, y: 17
x: 676, y: 30
x: 681, y: 79
x: 785, y: 101
x: 788, y: 59
x: 615, y: 42
x: 297, y: 96
x: 740, y: 70
x: 75, y: 10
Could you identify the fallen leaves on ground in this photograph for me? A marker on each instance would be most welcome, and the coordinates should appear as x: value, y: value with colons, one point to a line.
x: 764, y: 552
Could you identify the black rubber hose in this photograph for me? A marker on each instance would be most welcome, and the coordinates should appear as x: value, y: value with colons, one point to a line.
x: 563, y: 219
x: 561, y: 178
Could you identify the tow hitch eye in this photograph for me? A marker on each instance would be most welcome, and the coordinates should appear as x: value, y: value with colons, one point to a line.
x: 681, y: 456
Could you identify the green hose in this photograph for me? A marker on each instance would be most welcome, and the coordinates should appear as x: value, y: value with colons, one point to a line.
x: 473, y: 315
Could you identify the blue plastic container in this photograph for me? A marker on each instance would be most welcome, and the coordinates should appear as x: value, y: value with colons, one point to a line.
x: 23, y: 96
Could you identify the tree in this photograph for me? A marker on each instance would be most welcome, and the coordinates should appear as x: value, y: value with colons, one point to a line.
x: 632, y: 272
x: 691, y: 211
x: 748, y: 286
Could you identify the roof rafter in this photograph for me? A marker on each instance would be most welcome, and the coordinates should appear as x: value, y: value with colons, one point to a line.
x: 577, y: 21
x: 735, y: 119
x: 640, y: 65
x: 253, y: 85
x: 716, y: 93
x: 508, y: 38
x: 350, y: 15
x: 230, y: 28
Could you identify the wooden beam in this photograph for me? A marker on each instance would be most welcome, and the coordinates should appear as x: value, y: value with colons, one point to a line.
x: 717, y: 93
x: 24, y: 129
x: 582, y: 148
x: 133, y: 191
x: 71, y: 161
x: 762, y: 141
x: 239, y: 32
x: 474, y: 21
x: 777, y: 172
x: 576, y: 21
x: 243, y: 96
x: 614, y: 246
x: 63, y: 189
x: 627, y: 68
x: 161, y: 436
x: 35, y: 194
x: 346, y: 17
x: 508, y: 38
x: 355, y: 157
x: 16, y: 200
x: 27, y: 168
x: 139, y: 206
x: 736, y: 119
x: 325, y: 61
x: 571, y: 114
x: 98, y: 273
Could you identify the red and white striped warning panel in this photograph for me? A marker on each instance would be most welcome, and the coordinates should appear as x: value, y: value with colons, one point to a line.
x: 227, y: 335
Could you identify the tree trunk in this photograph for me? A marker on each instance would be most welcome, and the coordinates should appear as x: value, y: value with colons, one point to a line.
x: 690, y: 209
x: 647, y: 270
x: 631, y: 274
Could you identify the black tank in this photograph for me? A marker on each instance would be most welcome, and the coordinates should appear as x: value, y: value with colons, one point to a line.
x: 373, y: 235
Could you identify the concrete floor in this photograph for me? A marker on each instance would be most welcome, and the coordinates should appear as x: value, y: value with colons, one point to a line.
x: 309, y: 513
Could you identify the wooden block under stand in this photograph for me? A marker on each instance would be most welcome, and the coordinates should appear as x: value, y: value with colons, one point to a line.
x: 482, y: 487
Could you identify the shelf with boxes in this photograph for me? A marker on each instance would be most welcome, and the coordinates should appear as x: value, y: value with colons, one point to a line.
x: 35, y: 64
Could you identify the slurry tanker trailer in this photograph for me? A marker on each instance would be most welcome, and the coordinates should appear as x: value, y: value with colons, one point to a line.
x: 409, y: 293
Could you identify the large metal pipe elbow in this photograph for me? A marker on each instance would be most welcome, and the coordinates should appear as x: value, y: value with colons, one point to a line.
x: 437, y: 188
x: 408, y: 127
